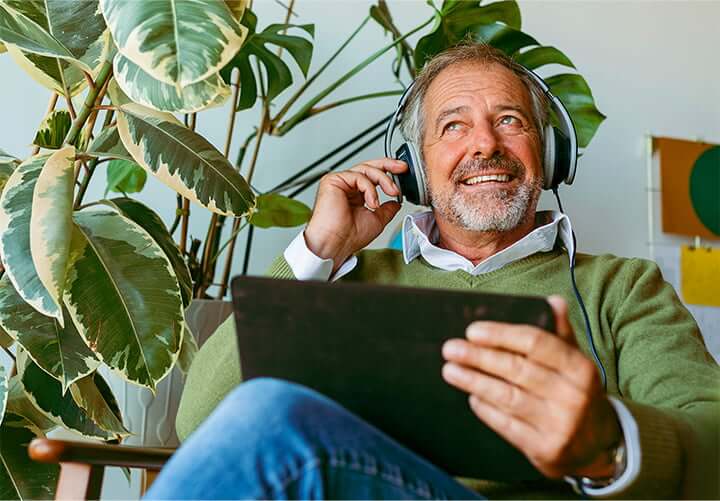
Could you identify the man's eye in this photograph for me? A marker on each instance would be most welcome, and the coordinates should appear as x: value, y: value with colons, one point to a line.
x: 452, y: 126
x: 509, y: 120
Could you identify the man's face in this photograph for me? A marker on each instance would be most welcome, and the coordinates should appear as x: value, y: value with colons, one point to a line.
x: 481, y: 148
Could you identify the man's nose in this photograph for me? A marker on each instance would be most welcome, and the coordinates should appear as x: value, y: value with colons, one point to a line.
x: 485, y: 142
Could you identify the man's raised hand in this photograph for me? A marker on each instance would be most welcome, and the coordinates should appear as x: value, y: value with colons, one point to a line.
x: 348, y: 215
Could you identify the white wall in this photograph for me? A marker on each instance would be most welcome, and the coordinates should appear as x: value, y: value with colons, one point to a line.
x: 651, y: 65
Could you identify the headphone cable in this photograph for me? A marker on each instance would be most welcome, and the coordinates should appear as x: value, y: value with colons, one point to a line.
x: 588, y: 329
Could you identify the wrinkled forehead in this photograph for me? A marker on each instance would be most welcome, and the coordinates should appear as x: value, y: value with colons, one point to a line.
x: 487, y: 79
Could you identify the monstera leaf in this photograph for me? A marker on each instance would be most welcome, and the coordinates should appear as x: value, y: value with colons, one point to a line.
x: 181, y: 158
x: 59, y: 351
x: 78, y: 27
x: 175, y: 41
x: 89, y: 407
x: 122, y: 289
x: 151, y: 222
x: 142, y: 88
x: 278, y: 74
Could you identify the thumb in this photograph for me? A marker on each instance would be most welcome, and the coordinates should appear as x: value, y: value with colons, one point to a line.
x: 562, y: 321
x: 386, y: 212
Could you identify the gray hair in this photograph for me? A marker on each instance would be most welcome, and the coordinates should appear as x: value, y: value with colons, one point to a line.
x: 412, y: 123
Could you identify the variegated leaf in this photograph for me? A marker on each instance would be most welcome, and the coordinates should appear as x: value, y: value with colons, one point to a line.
x: 237, y: 7
x: 45, y: 393
x: 179, y: 42
x: 3, y: 390
x: 18, y: 29
x: 151, y: 222
x: 59, y: 351
x: 19, y: 403
x: 53, y: 130
x: 79, y: 27
x: 15, y: 214
x: 144, y: 89
x: 20, y: 476
x: 94, y: 396
x: 187, y: 351
x: 184, y: 160
x: 108, y: 144
x: 3, y: 48
x: 123, y: 290
x: 51, y: 222
x: 8, y: 164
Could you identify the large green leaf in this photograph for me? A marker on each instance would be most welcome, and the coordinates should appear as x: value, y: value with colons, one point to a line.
x: 184, y: 160
x: 577, y: 97
x: 69, y: 410
x: 15, y: 214
x: 457, y: 19
x: 144, y: 89
x: 18, y: 29
x: 275, y: 210
x: 123, y: 290
x: 540, y: 56
x: 108, y: 144
x: 59, y: 351
x: 20, y: 476
x: 53, y: 130
x: 151, y: 222
x: 51, y: 222
x: 124, y: 176
x: 79, y: 27
x: 277, y: 72
x: 179, y: 42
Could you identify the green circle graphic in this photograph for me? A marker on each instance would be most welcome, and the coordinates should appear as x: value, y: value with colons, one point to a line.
x: 705, y: 189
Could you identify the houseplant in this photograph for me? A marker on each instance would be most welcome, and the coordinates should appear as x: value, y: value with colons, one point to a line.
x: 104, y: 283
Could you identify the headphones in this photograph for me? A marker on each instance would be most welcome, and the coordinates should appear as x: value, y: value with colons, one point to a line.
x: 560, y: 152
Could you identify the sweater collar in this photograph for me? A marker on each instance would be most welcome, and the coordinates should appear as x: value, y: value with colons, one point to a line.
x: 420, y: 234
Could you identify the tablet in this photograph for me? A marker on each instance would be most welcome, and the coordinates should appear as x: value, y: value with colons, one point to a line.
x: 376, y: 350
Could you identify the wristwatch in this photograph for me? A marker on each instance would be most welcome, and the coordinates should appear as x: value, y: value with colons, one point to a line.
x: 619, y: 459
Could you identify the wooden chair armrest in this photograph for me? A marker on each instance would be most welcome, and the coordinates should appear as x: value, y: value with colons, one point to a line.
x: 47, y: 450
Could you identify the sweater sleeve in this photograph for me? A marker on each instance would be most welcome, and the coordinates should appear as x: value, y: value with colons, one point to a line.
x: 670, y: 384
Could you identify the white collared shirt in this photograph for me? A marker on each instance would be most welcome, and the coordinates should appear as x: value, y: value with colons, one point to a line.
x: 419, y: 236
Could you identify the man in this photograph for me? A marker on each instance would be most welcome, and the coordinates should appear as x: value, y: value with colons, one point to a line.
x: 652, y: 433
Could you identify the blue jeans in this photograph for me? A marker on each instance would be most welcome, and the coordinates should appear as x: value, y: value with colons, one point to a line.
x: 271, y: 439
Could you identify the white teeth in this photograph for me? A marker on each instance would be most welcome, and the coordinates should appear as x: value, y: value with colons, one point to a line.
x: 503, y: 178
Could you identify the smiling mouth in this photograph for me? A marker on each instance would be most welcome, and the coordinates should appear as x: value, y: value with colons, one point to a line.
x: 491, y: 178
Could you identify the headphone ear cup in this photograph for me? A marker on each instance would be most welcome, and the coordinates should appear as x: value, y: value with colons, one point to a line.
x: 412, y: 183
x: 549, y: 158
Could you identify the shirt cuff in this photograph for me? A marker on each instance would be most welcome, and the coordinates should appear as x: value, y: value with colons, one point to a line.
x: 307, y: 266
x: 633, y: 456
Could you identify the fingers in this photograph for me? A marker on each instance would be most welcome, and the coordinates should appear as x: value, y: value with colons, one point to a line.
x: 379, y: 177
x: 355, y: 181
x: 507, y: 397
x: 387, y: 164
x: 386, y: 212
x: 562, y: 321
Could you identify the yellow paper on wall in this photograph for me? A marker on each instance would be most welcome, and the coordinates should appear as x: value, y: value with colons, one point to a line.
x: 700, y: 276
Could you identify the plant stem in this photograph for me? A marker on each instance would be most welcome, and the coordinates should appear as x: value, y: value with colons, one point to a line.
x: 50, y: 108
x: 10, y: 354
x: 90, y: 169
x: 283, y: 111
x: 190, y: 123
x: 216, y: 221
x: 103, y: 76
x: 315, y: 111
x: 290, y: 122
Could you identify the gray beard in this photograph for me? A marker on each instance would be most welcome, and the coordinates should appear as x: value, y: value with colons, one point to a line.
x: 500, y: 211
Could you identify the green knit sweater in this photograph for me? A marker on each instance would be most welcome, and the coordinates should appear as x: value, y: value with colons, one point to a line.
x: 650, y: 346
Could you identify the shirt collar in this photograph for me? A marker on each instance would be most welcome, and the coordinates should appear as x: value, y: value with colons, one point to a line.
x: 420, y: 234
